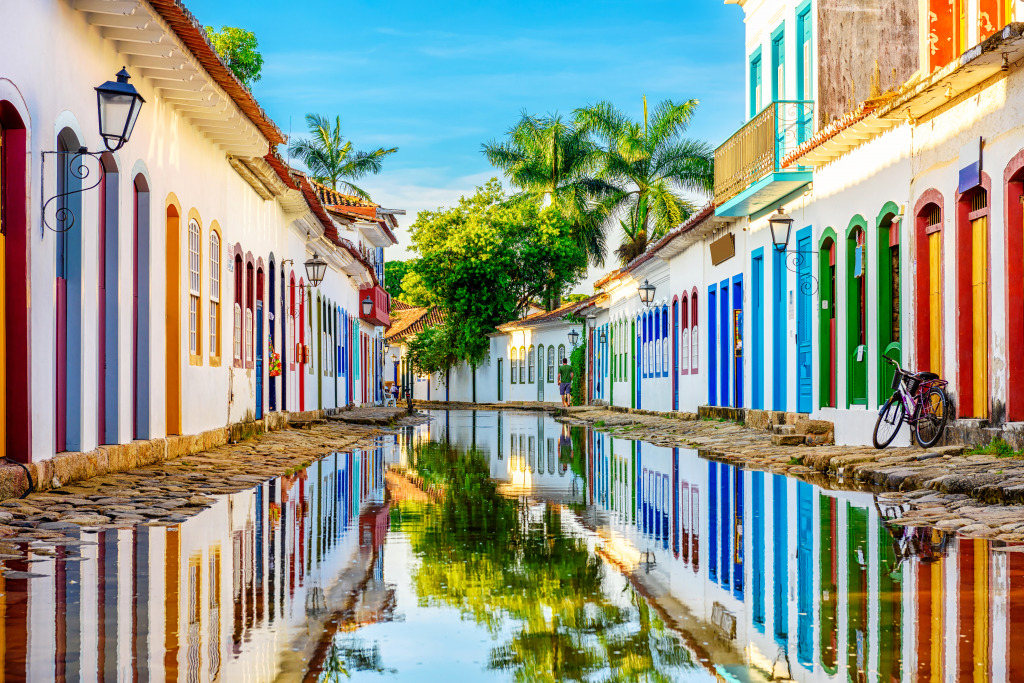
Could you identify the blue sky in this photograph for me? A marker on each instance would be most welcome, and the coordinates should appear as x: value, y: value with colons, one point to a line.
x: 436, y: 80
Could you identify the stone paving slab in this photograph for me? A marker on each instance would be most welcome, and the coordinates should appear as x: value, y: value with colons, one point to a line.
x: 928, y: 488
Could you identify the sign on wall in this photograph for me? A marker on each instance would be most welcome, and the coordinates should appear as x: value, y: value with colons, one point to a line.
x: 970, y: 165
x: 723, y: 249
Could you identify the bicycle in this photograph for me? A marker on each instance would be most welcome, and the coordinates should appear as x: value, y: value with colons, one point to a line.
x: 922, y: 396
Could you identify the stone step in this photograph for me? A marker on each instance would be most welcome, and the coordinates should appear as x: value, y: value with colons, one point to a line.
x: 783, y: 429
x: 787, y: 439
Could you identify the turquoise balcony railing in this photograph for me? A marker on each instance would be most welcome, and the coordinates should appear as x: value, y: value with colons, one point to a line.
x: 748, y: 171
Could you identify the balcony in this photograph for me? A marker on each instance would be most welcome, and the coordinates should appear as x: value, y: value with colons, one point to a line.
x: 380, y: 313
x: 748, y: 172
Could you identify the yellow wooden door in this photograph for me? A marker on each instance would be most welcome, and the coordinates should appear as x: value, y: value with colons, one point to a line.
x: 982, y: 613
x: 979, y: 328
x: 935, y: 302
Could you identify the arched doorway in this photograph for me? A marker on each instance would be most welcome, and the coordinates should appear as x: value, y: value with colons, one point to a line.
x: 889, y: 305
x: 827, y: 320
x: 172, y: 341
x: 972, y: 273
x: 141, y: 350
x: 856, y: 313
x: 272, y: 332
x: 259, y: 341
x: 15, y: 382
x: 68, y: 328
x: 928, y: 302
x: 108, y: 317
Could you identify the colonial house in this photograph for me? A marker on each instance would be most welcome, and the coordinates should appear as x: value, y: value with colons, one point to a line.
x: 150, y: 287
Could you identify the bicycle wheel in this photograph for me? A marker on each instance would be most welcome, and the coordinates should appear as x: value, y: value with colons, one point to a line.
x: 890, y: 419
x: 930, y: 417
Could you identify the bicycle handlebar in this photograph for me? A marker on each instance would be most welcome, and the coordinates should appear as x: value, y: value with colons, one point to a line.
x: 889, y: 360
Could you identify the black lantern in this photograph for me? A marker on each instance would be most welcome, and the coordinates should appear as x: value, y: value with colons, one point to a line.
x: 591, y: 321
x: 367, y: 305
x: 119, y: 104
x: 394, y: 358
x: 781, y: 225
x: 387, y: 347
x: 316, y: 268
x: 646, y: 291
x: 604, y: 337
x: 574, y: 337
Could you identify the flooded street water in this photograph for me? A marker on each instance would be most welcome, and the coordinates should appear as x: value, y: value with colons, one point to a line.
x: 543, y: 553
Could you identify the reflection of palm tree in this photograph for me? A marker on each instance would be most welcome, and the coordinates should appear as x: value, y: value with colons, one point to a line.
x: 481, y: 553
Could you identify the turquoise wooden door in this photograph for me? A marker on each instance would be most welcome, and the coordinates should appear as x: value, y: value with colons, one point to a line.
x: 779, y: 347
x: 803, y: 322
x: 757, y: 330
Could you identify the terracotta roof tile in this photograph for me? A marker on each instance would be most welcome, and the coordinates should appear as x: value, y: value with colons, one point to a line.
x: 191, y: 33
x: 407, y: 322
x: 549, y: 316
x: 692, y: 222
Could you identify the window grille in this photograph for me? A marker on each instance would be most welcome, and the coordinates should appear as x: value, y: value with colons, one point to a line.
x: 214, y: 294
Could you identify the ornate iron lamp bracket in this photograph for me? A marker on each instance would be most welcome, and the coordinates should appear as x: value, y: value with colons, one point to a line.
x: 65, y: 217
x: 795, y: 260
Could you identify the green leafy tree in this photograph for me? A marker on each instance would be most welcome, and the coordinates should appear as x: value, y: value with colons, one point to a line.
x: 394, y: 272
x: 330, y: 158
x: 553, y: 161
x: 574, y: 298
x: 240, y: 51
x: 431, y: 350
x: 487, y: 258
x: 415, y: 292
x: 651, y: 165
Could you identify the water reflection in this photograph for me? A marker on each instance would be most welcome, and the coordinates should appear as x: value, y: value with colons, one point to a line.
x: 769, y: 577
x: 213, y: 598
x: 544, y: 554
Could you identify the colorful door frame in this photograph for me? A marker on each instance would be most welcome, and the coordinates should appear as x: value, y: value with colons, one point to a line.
x: 172, y: 309
x: 827, y: 319
x: 711, y: 346
x: 724, y: 342
x: 889, y: 261
x: 675, y: 353
x: 856, y: 313
x: 804, y: 288
x: 633, y: 363
x: 973, y: 301
x: 15, y: 347
x: 736, y: 342
x: 757, y: 329
x: 780, y: 350
x: 141, y: 309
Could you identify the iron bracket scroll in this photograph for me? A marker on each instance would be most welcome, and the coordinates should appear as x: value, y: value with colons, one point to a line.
x: 64, y: 217
x: 795, y: 260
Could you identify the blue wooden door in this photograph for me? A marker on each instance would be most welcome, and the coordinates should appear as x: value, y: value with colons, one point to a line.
x: 803, y: 322
x: 675, y: 355
x: 780, y: 559
x: 736, y: 343
x: 758, y: 550
x: 779, y: 349
x: 804, y: 574
x: 711, y: 347
x: 724, y: 342
x: 259, y: 360
x: 757, y: 330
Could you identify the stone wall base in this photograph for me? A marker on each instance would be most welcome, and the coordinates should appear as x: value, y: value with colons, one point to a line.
x: 64, y: 468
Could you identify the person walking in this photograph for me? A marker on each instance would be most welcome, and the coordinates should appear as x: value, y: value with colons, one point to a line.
x: 565, y: 381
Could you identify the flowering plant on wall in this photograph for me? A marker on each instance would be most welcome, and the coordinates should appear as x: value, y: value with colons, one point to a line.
x: 275, y: 362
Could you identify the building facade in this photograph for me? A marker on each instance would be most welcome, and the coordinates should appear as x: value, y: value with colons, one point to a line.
x: 147, y: 290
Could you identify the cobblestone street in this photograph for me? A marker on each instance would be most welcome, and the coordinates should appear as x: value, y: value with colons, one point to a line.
x: 173, y: 491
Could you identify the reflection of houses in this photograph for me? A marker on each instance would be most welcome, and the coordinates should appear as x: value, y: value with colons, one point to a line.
x: 812, y: 582
x: 215, y: 596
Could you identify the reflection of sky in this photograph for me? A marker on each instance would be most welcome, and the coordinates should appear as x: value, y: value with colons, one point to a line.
x: 426, y: 643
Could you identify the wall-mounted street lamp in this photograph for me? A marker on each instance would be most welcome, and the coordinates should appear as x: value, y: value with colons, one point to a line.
x: 646, y: 292
x: 591, y: 322
x: 603, y: 337
x: 316, y: 268
x: 574, y: 337
x: 387, y: 346
x: 118, y: 104
x: 781, y: 225
x: 367, y: 305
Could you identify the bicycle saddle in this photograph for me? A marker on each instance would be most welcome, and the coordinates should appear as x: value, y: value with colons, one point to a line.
x: 926, y: 376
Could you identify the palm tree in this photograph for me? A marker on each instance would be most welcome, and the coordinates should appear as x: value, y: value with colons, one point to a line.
x: 329, y: 156
x: 649, y: 164
x: 552, y: 161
